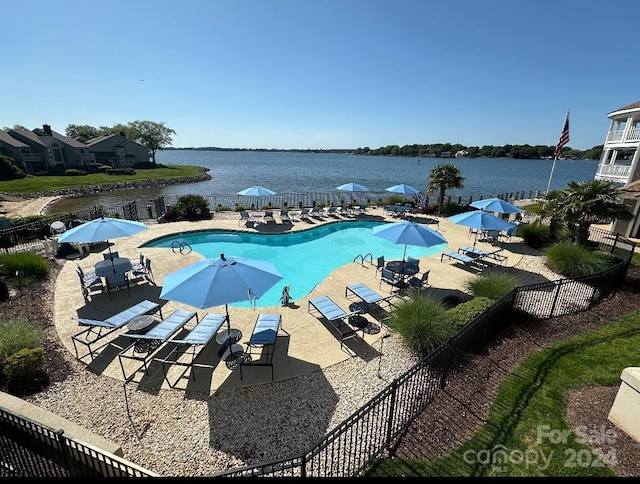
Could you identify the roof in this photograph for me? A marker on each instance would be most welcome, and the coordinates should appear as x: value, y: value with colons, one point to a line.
x: 630, y: 107
x: 632, y: 188
x: 6, y: 138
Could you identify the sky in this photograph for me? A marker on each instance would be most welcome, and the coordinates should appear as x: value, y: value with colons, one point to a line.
x: 323, y: 74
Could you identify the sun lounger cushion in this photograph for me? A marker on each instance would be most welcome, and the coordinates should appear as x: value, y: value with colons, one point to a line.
x: 366, y: 294
x: 168, y: 326
x: 455, y: 255
x: 265, y: 330
x: 203, y: 331
x: 328, y: 308
x: 122, y: 318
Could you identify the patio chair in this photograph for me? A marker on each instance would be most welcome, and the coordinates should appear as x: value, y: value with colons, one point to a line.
x: 138, y: 266
x: 390, y: 278
x: 144, y: 345
x: 334, y: 314
x: 412, y: 262
x: 191, y: 345
x: 117, y: 281
x: 97, y: 329
x: 89, y: 284
x: 380, y: 264
x: 263, y: 340
x: 421, y: 282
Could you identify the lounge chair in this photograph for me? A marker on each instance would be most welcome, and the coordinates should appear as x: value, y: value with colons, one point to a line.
x: 192, y: 345
x: 477, y: 253
x: 316, y: 212
x: 263, y: 339
x: 368, y: 295
x: 245, y: 217
x: 305, y: 214
x: 456, y: 256
x: 331, y: 211
x: 143, y: 345
x: 284, y: 216
x: 333, y: 313
x: 267, y: 217
x: 97, y: 329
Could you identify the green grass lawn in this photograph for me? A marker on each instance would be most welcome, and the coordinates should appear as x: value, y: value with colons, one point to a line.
x: 526, y: 433
x: 41, y: 184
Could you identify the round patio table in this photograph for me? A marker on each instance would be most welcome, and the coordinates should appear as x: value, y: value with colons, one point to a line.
x: 402, y: 267
x: 120, y: 265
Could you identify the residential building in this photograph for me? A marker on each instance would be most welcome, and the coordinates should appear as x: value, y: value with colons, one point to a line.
x: 619, y: 163
x: 118, y: 151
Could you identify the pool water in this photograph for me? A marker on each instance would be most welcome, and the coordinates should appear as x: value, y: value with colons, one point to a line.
x: 303, y: 258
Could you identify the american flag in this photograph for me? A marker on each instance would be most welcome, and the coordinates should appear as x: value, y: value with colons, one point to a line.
x: 564, y: 138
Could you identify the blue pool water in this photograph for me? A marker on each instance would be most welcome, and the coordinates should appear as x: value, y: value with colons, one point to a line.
x: 303, y: 258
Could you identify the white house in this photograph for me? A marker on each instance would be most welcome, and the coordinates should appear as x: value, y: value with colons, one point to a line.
x: 619, y: 163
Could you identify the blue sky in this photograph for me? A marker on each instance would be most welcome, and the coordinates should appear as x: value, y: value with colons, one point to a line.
x: 317, y: 74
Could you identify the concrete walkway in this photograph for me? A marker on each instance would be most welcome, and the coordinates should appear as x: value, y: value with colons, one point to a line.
x: 310, y: 345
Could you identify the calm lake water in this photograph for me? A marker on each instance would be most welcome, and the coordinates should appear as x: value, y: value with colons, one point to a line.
x: 232, y: 171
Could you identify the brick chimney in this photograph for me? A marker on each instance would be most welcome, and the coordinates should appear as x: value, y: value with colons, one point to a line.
x: 47, y: 129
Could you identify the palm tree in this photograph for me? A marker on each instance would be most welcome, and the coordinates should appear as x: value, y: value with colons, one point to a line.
x: 584, y: 203
x: 443, y: 177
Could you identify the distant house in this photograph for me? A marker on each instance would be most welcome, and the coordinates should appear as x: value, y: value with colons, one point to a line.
x: 619, y: 163
x: 43, y: 150
x: 47, y: 150
x: 118, y: 151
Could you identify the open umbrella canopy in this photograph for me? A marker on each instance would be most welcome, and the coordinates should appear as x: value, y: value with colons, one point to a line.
x: 410, y: 233
x: 402, y: 188
x: 101, y: 229
x: 352, y: 187
x: 495, y: 205
x: 256, y: 191
x: 223, y: 280
x: 479, y: 219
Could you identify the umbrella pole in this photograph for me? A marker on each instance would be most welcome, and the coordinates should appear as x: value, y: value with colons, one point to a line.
x: 113, y: 265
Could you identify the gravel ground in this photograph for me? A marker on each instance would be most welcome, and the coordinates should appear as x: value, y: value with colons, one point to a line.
x: 177, y: 434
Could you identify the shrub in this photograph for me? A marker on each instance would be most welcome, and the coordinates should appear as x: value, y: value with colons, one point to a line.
x: 465, y: 312
x: 22, y: 364
x: 450, y: 208
x: 492, y: 285
x: 192, y: 207
x: 572, y: 260
x: 27, y: 264
x: 422, y: 321
x: 16, y: 336
x: 120, y: 171
x: 4, y: 291
x: 9, y: 170
x: 74, y: 172
x: 535, y: 235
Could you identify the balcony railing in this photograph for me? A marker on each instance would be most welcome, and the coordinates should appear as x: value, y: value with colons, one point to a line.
x: 633, y: 136
x: 613, y: 172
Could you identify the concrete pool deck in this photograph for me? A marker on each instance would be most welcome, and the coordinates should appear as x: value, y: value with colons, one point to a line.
x: 310, y: 344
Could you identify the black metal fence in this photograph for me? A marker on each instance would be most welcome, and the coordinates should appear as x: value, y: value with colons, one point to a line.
x: 370, y: 432
x: 29, y: 449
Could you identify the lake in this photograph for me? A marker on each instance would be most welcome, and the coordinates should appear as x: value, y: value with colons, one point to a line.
x: 293, y: 172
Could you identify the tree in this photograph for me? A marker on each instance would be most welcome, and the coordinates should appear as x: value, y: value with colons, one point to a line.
x: 585, y: 203
x: 154, y: 136
x: 73, y: 130
x: 443, y: 177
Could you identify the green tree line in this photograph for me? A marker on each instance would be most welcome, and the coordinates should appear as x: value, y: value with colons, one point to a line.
x: 443, y: 150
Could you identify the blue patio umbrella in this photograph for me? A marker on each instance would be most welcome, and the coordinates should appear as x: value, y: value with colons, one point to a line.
x: 402, y: 188
x: 256, y: 191
x: 223, y: 280
x: 481, y: 220
x: 352, y: 187
x: 410, y: 233
x: 101, y: 229
x: 495, y: 205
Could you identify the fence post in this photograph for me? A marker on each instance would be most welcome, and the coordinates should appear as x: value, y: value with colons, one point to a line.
x: 555, y: 298
x: 392, y: 406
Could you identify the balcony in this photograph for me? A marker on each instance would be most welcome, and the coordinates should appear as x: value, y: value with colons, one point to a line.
x: 617, y: 137
x: 614, y: 173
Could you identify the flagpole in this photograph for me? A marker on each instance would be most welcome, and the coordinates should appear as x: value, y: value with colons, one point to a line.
x: 564, y: 139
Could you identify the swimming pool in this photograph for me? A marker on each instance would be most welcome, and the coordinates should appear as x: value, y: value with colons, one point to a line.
x: 303, y: 258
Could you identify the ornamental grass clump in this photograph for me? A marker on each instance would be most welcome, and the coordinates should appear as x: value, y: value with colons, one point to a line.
x: 492, y: 285
x: 15, y: 336
x: 572, y: 260
x: 423, y: 323
x: 21, y: 267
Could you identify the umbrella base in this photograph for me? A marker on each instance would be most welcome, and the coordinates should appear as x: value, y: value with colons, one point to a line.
x: 228, y: 337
